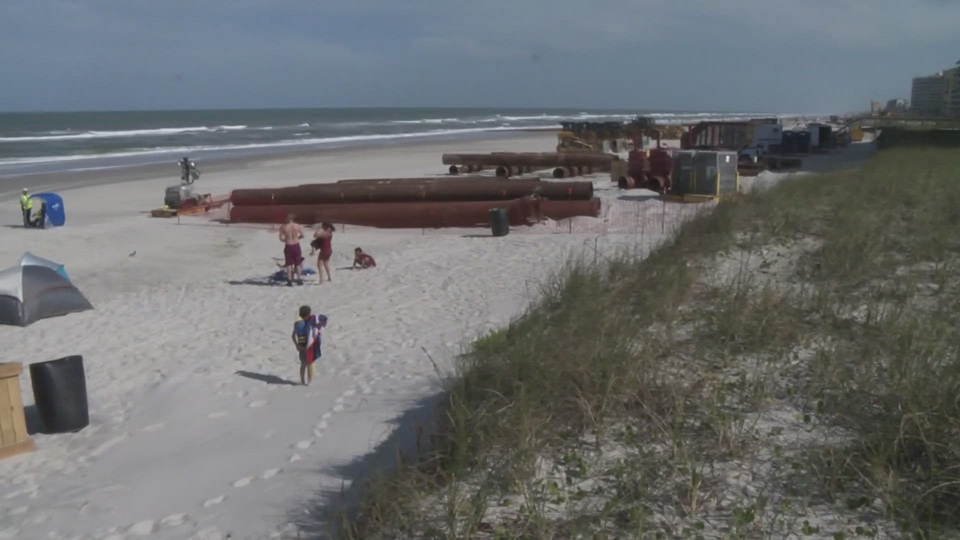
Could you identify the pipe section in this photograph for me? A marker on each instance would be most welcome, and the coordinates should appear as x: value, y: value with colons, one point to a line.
x: 412, y: 215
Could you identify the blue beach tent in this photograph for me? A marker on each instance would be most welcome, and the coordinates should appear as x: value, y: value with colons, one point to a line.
x: 56, y: 214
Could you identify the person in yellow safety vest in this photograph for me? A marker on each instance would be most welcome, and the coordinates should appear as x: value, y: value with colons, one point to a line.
x: 26, y: 205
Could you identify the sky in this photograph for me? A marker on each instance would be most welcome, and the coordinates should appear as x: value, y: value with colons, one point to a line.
x: 790, y: 56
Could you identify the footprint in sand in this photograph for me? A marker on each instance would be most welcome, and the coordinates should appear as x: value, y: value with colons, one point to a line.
x: 258, y: 403
x: 326, y: 415
x: 218, y: 414
x: 321, y: 425
x: 19, y: 510
x: 303, y: 445
x: 294, y: 458
x: 215, y: 501
x: 338, y: 407
x: 154, y: 427
x: 366, y: 391
x: 243, y: 482
x: 174, y: 520
x: 143, y: 528
x: 270, y: 473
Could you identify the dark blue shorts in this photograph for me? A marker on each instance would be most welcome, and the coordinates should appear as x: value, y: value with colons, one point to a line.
x: 303, y: 356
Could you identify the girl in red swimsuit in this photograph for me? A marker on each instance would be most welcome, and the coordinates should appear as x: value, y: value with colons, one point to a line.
x: 323, y: 240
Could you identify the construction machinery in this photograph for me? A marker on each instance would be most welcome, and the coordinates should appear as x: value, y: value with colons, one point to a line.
x: 567, y: 141
x: 590, y: 136
x: 648, y: 169
x: 600, y: 137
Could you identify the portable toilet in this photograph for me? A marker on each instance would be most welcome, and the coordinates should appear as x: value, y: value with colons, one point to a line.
x: 716, y: 174
x: 684, y: 174
x: 705, y: 173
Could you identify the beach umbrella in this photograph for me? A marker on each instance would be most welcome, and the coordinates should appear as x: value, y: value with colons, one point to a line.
x: 36, y: 289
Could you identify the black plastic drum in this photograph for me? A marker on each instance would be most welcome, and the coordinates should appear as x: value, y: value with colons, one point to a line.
x: 500, y: 222
x: 60, y: 392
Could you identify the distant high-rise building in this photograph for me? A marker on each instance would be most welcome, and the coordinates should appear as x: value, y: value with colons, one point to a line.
x: 951, y: 106
x: 928, y: 95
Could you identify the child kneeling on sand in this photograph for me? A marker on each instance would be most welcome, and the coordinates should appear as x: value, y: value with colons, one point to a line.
x: 363, y: 260
x: 306, y: 337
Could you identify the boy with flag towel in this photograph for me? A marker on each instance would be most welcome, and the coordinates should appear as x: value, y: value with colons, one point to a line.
x: 306, y: 337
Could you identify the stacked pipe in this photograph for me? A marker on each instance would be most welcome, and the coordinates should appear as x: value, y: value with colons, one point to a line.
x: 416, y: 202
x: 509, y: 163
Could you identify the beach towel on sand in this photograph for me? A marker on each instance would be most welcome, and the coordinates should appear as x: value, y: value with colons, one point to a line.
x: 315, y: 324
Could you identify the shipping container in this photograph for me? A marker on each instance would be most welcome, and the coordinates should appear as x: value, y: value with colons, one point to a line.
x: 701, y: 172
x: 730, y: 135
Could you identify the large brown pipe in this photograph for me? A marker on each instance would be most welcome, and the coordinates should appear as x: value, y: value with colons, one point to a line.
x: 412, y: 215
x: 450, y: 190
x: 557, y: 210
x: 532, y: 159
x: 426, y: 180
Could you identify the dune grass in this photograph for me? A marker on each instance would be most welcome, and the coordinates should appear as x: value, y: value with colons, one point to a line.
x: 787, y: 365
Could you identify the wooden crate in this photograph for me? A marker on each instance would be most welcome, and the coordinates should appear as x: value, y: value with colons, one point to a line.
x: 14, y: 438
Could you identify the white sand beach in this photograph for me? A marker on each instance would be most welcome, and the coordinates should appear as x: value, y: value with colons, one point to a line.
x: 197, y: 430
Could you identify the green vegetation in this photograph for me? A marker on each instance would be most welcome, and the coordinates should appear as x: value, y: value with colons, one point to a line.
x: 789, y: 364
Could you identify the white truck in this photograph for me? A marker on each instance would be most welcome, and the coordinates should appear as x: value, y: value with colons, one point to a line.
x: 767, y: 138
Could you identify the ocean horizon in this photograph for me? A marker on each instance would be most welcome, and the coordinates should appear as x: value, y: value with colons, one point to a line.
x: 50, y: 142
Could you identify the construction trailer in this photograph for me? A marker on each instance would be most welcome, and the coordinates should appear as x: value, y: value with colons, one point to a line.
x: 719, y: 135
x: 704, y: 175
x: 768, y: 137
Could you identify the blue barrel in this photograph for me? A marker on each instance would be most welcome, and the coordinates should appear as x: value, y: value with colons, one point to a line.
x: 60, y: 394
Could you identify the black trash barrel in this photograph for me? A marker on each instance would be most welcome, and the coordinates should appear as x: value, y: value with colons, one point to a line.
x: 60, y: 393
x: 500, y: 221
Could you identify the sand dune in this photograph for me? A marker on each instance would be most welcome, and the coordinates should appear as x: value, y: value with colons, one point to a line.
x: 197, y: 430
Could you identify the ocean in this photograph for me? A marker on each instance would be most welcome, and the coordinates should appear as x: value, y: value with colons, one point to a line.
x: 33, y: 143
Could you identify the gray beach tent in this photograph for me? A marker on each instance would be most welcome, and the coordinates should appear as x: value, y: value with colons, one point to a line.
x: 36, y: 289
